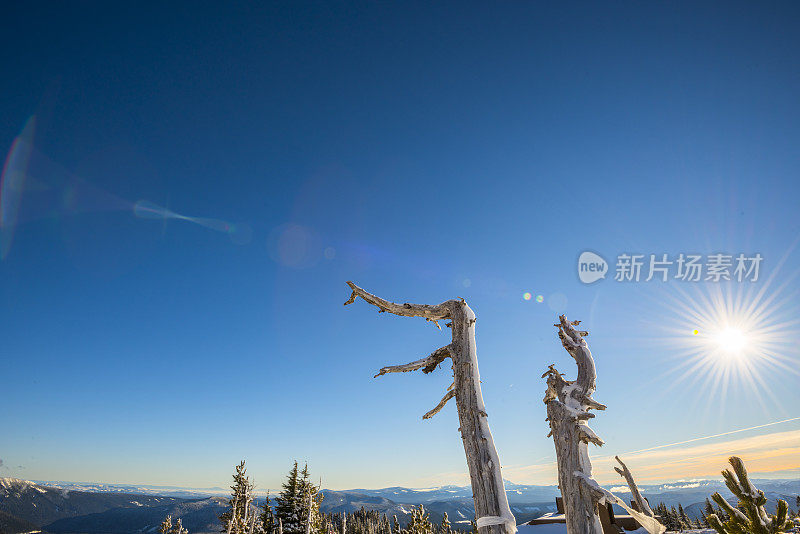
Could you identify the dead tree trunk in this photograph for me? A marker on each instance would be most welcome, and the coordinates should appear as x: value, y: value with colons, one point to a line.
x: 491, y: 504
x: 568, y: 404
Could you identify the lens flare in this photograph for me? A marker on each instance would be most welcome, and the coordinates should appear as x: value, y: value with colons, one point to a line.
x: 741, y: 337
x: 539, y: 298
x: 239, y: 233
x: 12, y: 184
x: 527, y: 296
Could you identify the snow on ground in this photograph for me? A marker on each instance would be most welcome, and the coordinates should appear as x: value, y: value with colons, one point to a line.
x: 547, y: 528
x: 561, y: 528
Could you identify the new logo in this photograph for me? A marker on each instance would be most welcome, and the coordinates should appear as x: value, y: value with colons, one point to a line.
x: 591, y: 267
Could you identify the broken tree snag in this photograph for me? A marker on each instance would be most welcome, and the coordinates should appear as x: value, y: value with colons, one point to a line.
x: 488, y: 493
x: 568, y: 404
x: 644, y: 506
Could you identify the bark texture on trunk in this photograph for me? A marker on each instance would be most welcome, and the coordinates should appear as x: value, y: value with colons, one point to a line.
x: 491, y: 503
x: 568, y: 404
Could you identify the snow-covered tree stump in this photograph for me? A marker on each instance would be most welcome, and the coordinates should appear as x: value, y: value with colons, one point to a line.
x: 568, y: 404
x: 491, y: 503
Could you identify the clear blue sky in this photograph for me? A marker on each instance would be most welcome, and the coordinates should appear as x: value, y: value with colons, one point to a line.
x: 425, y: 152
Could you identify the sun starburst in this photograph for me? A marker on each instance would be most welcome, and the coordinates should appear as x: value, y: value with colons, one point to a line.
x: 732, y: 337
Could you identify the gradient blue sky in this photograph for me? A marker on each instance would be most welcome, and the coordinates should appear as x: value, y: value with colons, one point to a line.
x: 425, y: 152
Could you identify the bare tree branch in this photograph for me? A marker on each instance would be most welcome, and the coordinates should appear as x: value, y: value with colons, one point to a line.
x: 427, y: 364
x: 429, y: 312
x: 447, y: 396
x: 644, y: 506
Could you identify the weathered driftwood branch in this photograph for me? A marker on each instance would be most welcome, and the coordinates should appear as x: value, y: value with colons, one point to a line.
x: 641, y: 502
x: 568, y: 404
x: 491, y: 503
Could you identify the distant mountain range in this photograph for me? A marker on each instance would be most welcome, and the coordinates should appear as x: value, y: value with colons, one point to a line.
x: 71, y: 508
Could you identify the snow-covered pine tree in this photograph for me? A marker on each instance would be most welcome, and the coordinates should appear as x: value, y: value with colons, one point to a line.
x: 675, y: 520
x: 177, y: 528
x: 267, y: 520
x: 445, y: 527
x: 668, y: 518
x: 359, y: 522
x: 289, y: 505
x: 166, y: 525
x: 753, y: 517
x: 708, y: 509
x: 420, y: 522
x: 395, y: 525
x: 237, y: 519
x: 311, y: 499
x: 683, y: 518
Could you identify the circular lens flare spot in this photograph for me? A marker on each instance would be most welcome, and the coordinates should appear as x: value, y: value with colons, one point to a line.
x: 695, y: 332
x: 527, y: 296
x: 539, y: 298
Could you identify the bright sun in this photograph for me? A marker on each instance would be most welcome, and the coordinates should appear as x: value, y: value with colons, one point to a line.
x: 731, y: 340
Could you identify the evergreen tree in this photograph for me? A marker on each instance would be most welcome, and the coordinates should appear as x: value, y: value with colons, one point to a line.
x: 445, y: 526
x: 752, y: 518
x: 288, y: 505
x: 670, y: 518
x: 292, y: 505
x: 395, y: 525
x: 683, y: 518
x: 310, y: 497
x: 420, y: 524
x: 238, y: 515
x: 267, y: 519
x: 177, y: 528
x: 166, y: 525
x: 708, y: 509
x: 674, y: 519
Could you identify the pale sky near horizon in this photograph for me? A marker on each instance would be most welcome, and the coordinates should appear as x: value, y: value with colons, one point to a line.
x: 199, y: 180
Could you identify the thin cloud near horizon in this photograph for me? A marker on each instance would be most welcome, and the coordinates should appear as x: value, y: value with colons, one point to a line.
x: 766, y: 454
x: 770, y: 455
